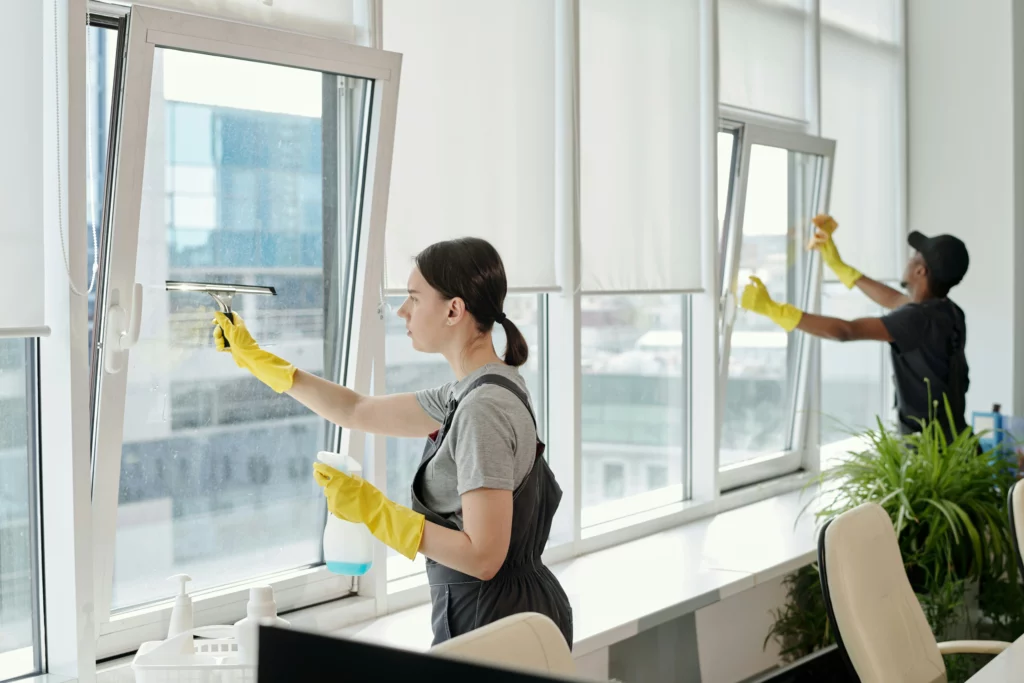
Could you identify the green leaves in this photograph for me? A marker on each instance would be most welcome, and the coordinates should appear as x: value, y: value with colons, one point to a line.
x: 947, y: 503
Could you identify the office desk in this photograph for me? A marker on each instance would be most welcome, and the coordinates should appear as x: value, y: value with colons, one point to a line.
x: 1008, y: 667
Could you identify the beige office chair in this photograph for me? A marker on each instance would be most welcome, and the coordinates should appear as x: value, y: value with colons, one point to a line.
x: 880, y: 627
x: 1015, y: 509
x: 525, y: 642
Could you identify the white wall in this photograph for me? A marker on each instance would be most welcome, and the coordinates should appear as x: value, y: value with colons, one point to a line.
x: 961, y: 175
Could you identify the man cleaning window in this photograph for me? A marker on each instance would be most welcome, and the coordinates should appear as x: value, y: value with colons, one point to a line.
x: 925, y: 330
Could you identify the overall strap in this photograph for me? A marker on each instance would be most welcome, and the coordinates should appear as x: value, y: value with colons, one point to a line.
x: 502, y: 381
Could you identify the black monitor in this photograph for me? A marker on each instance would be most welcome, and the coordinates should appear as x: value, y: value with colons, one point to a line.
x: 293, y: 657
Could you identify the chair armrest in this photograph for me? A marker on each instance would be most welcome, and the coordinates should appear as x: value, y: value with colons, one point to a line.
x: 972, y: 647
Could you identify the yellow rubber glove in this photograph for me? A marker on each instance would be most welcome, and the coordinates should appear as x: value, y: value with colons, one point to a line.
x: 276, y: 373
x: 822, y: 241
x: 756, y: 299
x: 357, y: 500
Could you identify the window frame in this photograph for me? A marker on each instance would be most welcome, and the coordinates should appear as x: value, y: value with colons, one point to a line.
x: 798, y: 455
x: 147, y: 29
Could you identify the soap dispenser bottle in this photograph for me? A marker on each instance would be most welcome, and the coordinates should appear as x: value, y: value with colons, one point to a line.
x: 261, y: 609
x: 181, y: 613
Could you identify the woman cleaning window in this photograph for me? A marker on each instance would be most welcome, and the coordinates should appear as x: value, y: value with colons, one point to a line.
x: 483, y: 498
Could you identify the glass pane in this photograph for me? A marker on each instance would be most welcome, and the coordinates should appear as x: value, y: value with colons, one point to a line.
x: 726, y: 143
x: 725, y: 161
x: 409, y: 370
x: 852, y: 378
x: 18, y: 636
x: 100, y: 73
x: 780, y: 202
x: 246, y: 181
x: 634, y: 403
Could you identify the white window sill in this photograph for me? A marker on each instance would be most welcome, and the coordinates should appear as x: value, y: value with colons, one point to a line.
x: 16, y: 663
x: 703, y: 558
x: 834, y: 453
x: 684, y: 568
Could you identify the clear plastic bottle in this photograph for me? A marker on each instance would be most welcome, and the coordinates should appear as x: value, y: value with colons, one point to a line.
x: 348, y: 547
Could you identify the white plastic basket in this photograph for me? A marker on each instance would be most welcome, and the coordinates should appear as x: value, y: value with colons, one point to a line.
x: 214, y: 659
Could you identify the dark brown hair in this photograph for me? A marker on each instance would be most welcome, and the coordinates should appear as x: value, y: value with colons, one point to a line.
x: 470, y: 269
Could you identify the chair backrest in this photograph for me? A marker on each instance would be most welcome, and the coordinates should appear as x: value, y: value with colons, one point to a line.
x: 878, y: 621
x: 525, y: 642
x: 1015, y: 509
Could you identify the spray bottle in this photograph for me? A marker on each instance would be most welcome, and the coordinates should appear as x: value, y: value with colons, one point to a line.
x: 348, y: 547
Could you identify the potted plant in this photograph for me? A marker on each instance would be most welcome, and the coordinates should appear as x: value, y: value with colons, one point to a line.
x: 947, y: 502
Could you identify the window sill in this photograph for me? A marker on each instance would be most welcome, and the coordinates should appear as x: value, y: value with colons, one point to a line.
x: 691, y: 557
x: 14, y: 664
x: 685, y: 568
x: 835, y: 453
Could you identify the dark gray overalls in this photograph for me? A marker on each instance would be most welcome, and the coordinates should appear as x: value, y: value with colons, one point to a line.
x: 461, y: 602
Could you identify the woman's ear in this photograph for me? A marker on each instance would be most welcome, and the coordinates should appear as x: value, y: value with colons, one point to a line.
x: 456, y: 311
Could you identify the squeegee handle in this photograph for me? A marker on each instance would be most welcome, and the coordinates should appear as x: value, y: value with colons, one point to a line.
x: 226, y: 310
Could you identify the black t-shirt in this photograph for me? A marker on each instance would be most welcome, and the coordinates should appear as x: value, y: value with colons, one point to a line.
x: 928, y: 344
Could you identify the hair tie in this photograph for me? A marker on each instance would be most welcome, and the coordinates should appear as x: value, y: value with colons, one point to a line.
x: 500, y: 318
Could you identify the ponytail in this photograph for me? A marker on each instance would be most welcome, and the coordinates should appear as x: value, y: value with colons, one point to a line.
x: 517, y: 351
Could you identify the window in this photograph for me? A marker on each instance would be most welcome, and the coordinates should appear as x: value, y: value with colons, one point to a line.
x: 614, y: 480
x: 215, y: 467
x: 409, y: 370
x: 759, y: 401
x: 634, y: 396
x: 249, y: 173
x: 102, y: 44
x: 853, y: 376
x: 726, y: 161
x: 780, y: 187
x: 20, y: 570
x: 657, y: 477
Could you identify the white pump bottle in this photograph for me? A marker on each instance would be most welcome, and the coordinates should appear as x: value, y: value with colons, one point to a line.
x: 181, y: 613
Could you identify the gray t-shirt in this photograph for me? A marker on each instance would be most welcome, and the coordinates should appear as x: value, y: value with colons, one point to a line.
x: 492, y: 442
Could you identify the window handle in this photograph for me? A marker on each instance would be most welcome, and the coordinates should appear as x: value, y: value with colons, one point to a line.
x: 122, y: 331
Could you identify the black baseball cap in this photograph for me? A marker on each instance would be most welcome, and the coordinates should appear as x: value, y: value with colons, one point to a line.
x: 945, y: 255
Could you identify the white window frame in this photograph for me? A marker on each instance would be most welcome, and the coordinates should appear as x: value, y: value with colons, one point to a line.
x: 148, y: 29
x: 798, y: 455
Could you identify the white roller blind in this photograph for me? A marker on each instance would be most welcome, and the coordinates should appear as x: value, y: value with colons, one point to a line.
x: 640, y: 150
x: 762, y: 54
x: 861, y: 89
x: 21, y: 169
x: 342, y: 19
x: 474, y: 143
x: 878, y: 19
